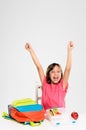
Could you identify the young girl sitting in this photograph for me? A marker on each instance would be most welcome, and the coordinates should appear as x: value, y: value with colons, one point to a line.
x: 55, y: 82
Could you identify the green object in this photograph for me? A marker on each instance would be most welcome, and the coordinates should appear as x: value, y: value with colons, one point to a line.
x: 23, y: 102
x: 35, y: 123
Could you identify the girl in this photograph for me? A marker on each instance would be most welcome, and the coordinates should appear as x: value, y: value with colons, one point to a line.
x: 55, y: 82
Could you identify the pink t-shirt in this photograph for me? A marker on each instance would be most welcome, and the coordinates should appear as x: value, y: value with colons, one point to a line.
x: 53, y: 95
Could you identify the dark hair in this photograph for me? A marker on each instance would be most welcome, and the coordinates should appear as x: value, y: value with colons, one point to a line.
x: 49, y: 68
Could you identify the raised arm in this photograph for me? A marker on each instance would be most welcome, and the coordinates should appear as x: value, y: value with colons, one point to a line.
x: 36, y: 61
x: 68, y: 64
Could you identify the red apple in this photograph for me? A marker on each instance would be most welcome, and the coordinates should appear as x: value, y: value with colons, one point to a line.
x: 74, y: 115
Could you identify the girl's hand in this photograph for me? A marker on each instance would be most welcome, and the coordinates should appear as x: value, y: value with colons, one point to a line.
x: 27, y: 46
x: 70, y: 45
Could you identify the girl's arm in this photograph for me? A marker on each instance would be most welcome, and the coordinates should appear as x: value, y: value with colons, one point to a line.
x: 68, y: 64
x: 36, y: 61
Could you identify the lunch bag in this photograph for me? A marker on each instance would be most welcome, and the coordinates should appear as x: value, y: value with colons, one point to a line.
x: 25, y: 111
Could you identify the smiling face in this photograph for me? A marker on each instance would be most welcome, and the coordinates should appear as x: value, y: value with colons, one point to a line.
x: 54, y: 73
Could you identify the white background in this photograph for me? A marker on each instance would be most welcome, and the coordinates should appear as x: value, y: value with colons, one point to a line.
x: 48, y: 25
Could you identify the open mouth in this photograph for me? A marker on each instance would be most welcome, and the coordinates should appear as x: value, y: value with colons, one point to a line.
x: 55, y: 78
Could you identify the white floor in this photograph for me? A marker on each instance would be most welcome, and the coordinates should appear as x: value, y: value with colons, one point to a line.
x: 64, y: 125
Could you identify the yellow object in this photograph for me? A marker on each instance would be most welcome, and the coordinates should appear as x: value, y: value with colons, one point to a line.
x: 35, y: 123
x: 4, y: 114
x: 55, y: 110
x: 24, y: 101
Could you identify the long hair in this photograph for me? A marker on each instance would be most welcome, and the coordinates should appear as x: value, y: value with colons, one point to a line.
x: 49, y: 68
